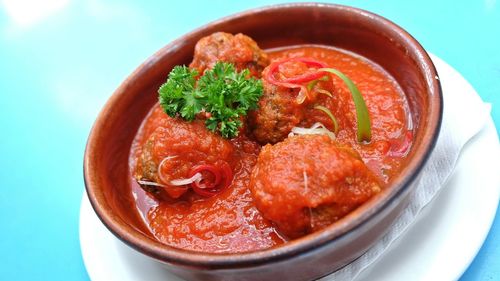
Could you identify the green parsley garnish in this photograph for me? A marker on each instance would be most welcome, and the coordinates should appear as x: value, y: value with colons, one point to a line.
x: 222, y: 92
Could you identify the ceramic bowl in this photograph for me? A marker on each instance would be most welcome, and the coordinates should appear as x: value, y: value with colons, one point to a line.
x: 106, y: 167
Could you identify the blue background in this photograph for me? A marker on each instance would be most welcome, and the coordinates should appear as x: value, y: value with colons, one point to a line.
x: 61, y: 60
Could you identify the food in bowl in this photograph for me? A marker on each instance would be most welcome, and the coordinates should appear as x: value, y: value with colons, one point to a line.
x: 248, y: 149
x: 316, y: 253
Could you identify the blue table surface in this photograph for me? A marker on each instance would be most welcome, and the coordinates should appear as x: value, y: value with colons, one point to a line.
x: 61, y: 59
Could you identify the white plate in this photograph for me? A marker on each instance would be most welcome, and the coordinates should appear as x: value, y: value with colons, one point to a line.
x: 439, y: 246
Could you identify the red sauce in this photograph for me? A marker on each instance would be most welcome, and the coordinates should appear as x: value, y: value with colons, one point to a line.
x: 384, y: 98
x: 230, y: 221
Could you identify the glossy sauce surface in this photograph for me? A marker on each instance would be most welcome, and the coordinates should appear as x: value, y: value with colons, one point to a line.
x: 230, y: 222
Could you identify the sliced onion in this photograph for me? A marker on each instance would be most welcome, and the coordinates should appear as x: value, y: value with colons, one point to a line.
x: 166, y: 159
x: 303, y: 94
x: 159, y: 171
x: 317, y: 125
x: 324, y: 92
x: 304, y: 174
x: 187, y: 181
x: 316, y: 129
x: 311, y: 218
x: 152, y: 183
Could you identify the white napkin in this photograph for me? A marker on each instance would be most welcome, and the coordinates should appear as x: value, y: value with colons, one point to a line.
x: 463, y: 117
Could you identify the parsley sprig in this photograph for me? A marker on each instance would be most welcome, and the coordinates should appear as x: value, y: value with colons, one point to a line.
x: 222, y: 91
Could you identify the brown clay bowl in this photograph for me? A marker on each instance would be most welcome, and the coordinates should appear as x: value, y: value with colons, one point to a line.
x: 106, y: 157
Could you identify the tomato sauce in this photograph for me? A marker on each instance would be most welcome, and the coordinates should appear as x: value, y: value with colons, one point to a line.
x: 230, y: 221
x: 384, y: 98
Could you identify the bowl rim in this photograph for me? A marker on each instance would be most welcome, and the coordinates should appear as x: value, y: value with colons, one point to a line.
x: 332, y: 234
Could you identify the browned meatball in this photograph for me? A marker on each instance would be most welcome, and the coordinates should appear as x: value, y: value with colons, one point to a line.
x: 279, y: 110
x: 307, y: 182
x: 238, y: 49
x: 182, y: 145
x: 278, y: 113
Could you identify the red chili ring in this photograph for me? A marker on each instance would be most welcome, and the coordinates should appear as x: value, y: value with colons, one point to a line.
x: 293, y: 81
x: 227, y: 176
x: 297, y: 79
x: 307, y: 77
x: 211, y: 169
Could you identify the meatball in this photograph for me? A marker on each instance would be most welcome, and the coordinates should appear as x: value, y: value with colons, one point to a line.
x: 277, y: 114
x: 238, y: 49
x: 279, y: 110
x: 307, y: 182
x: 179, y: 145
